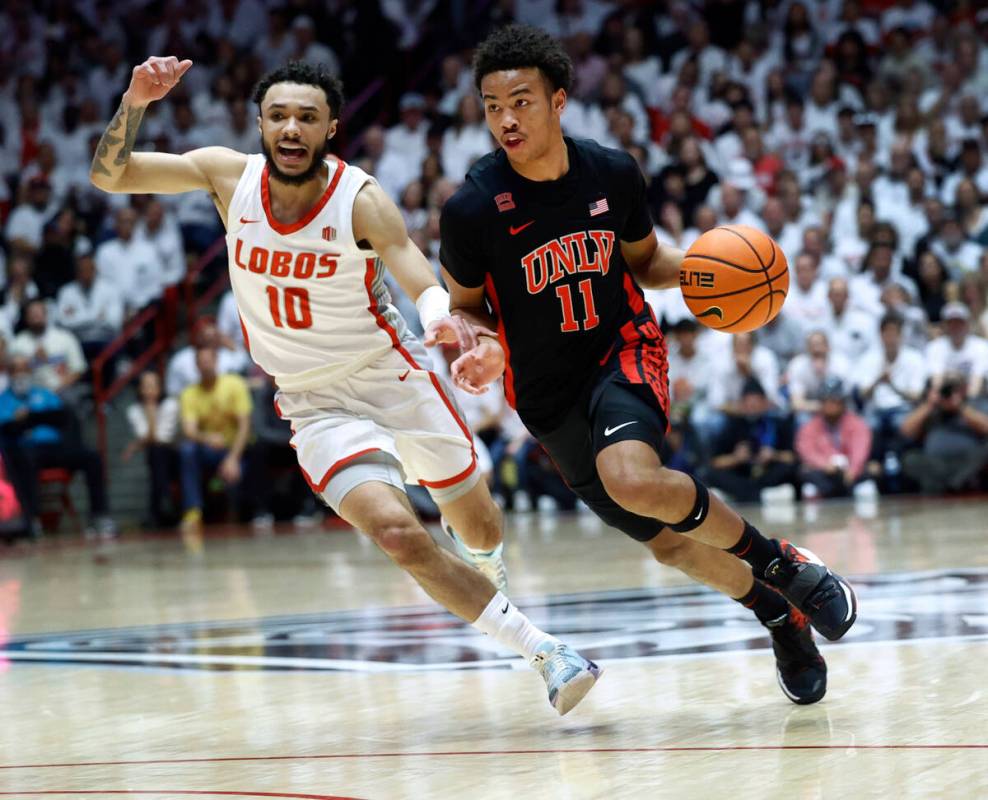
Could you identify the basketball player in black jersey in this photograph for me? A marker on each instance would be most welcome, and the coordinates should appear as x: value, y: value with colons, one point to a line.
x: 548, y: 242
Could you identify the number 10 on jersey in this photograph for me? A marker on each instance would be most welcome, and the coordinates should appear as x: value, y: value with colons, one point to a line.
x: 295, y: 301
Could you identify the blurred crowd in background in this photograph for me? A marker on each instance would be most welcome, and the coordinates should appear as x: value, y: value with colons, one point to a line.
x: 855, y: 132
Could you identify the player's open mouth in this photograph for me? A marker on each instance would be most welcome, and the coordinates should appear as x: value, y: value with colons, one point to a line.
x: 291, y: 153
x: 511, y: 142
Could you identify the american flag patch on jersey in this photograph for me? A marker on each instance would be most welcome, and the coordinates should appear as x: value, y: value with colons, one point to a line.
x: 599, y: 207
x: 329, y: 233
x: 504, y: 202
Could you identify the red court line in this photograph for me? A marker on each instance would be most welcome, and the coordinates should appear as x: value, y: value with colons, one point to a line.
x: 547, y: 751
x: 182, y: 792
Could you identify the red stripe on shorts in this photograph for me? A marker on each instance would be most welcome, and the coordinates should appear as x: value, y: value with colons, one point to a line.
x: 318, y: 487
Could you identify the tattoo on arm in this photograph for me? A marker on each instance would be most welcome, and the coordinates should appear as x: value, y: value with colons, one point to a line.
x: 134, y: 117
x: 109, y: 140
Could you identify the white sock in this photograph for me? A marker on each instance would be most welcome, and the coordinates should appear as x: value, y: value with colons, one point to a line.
x: 504, y: 623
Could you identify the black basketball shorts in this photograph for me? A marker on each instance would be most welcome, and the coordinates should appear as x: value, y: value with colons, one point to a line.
x: 628, y: 401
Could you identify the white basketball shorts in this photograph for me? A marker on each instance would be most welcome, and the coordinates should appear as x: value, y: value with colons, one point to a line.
x: 395, y: 406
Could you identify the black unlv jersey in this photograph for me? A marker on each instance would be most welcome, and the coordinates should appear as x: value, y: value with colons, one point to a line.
x: 549, y: 257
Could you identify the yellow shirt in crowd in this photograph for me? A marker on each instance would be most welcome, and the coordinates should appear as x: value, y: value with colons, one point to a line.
x: 216, y: 410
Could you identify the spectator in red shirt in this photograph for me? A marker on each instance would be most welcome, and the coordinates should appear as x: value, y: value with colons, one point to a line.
x: 833, y: 448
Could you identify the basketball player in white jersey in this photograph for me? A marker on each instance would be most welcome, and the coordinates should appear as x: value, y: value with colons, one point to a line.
x: 308, y: 237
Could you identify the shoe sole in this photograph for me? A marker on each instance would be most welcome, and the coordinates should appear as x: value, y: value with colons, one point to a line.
x: 799, y: 701
x: 575, y: 690
x: 850, y: 598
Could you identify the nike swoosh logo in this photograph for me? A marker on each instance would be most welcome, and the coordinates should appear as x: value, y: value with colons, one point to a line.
x: 698, y: 514
x: 506, y: 605
x: 616, y: 428
x: 245, y: 221
x: 515, y: 231
x: 713, y: 311
x: 402, y: 377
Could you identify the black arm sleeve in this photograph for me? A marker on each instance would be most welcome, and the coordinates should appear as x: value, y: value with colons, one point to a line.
x: 460, y: 243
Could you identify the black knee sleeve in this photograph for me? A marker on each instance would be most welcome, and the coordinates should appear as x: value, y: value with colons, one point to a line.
x: 701, y: 507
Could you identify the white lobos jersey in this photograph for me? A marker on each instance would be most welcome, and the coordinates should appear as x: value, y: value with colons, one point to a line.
x: 313, y: 305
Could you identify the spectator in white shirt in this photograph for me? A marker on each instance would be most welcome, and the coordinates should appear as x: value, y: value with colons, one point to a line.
x: 809, y: 370
x: 154, y: 423
x: 466, y: 140
x: 182, y: 369
x: 786, y: 233
x: 240, y: 21
x: 866, y: 289
x: 27, y: 221
x: 690, y: 370
x: 308, y: 49
x: 277, y: 44
x: 890, y: 379
x: 746, y: 359
x: 640, y: 68
x: 90, y: 308
x: 709, y: 58
x: 405, y: 147
x: 54, y: 354
x: 958, y: 351
x: 733, y: 205
x: 957, y: 253
x: 815, y: 243
x: 851, y: 331
x: 159, y: 229
x: 239, y: 131
x: 807, y: 301
x: 228, y: 323
x: 972, y: 167
x: 130, y: 263
x: 791, y: 136
x: 820, y: 110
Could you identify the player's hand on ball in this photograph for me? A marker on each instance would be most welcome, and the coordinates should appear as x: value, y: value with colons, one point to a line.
x: 476, y: 369
x: 153, y: 79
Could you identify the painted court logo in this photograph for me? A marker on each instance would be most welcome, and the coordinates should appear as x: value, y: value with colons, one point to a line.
x: 649, y: 623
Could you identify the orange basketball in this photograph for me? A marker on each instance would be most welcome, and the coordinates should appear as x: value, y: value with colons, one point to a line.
x: 734, y: 278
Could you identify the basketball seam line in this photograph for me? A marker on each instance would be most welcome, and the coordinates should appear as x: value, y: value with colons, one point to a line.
x: 765, y: 269
x: 754, y: 306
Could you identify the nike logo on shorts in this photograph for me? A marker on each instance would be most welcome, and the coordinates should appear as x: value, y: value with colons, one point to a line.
x: 616, y: 428
x: 507, y: 605
x: 515, y: 231
x: 405, y: 375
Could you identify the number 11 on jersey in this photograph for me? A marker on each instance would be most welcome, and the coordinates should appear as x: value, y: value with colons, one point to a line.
x: 296, y: 302
x: 565, y: 295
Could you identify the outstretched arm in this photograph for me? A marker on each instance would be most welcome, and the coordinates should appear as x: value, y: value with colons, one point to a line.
x: 377, y: 220
x: 117, y: 169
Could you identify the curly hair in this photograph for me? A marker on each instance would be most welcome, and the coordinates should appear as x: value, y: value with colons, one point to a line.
x: 307, y: 75
x: 521, y: 46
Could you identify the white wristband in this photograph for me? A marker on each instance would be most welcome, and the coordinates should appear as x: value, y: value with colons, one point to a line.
x: 432, y: 304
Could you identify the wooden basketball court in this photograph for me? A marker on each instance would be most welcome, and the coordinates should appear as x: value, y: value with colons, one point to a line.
x: 303, y: 665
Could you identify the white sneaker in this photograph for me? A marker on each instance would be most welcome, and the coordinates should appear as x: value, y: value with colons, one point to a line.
x: 263, y: 522
x: 866, y: 490
x: 810, y: 492
x: 784, y: 493
x: 567, y: 674
x: 490, y: 564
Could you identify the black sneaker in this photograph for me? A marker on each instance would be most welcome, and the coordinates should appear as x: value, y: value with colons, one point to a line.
x: 800, y: 668
x: 803, y: 579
